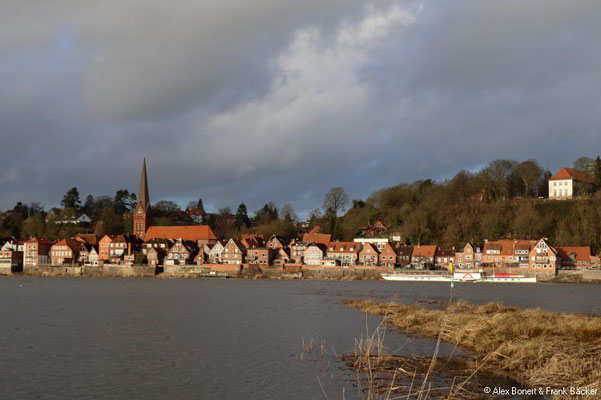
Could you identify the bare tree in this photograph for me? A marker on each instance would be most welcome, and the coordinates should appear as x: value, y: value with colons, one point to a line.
x: 531, y: 174
x: 584, y: 164
x: 335, y: 200
x: 287, y: 212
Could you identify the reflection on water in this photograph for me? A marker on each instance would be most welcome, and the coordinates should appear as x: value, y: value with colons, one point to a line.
x: 196, y: 339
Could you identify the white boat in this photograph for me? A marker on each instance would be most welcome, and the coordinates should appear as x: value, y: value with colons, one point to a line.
x: 417, y: 277
x: 458, y: 277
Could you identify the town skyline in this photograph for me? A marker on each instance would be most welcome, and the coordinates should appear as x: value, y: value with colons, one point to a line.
x: 287, y: 105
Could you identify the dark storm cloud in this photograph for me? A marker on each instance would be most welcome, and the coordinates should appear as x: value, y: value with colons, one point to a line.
x: 278, y: 101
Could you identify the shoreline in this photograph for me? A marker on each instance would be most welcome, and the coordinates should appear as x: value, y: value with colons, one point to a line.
x: 236, y: 272
x: 538, y: 349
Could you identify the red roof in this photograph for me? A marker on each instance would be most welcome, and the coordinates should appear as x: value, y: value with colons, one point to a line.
x: 71, y: 243
x: 88, y: 238
x: 189, y: 232
x: 582, y: 253
x: 317, y: 238
x: 343, y: 247
x: 424, y: 251
x: 571, y: 173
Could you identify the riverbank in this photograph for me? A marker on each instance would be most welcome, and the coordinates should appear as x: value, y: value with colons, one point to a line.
x: 539, y: 349
x: 249, y: 272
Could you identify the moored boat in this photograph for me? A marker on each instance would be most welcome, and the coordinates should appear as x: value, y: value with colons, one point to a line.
x: 417, y: 277
x: 458, y: 277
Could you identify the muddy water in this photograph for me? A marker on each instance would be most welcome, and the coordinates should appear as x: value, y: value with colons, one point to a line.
x: 86, y: 338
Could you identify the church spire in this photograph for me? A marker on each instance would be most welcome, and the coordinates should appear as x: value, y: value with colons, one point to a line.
x: 141, y: 218
x: 143, y: 197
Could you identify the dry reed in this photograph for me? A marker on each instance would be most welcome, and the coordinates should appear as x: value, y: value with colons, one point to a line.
x: 536, y: 347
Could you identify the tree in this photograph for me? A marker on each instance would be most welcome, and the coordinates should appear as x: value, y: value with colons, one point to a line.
x: 112, y: 222
x: 543, y: 187
x: 597, y: 173
x: 88, y: 205
x: 267, y: 214
x: 462, y: 186
x: 242, y: 219
x: 530, y: 173
x: 416, y: 227
x: 71, y: 199
x: 499, y: 173
x: 225, y: 211
x: 36, y: 208
x: 335, y: 200
x: 165, y: 208
x: 121, y: 204
x: 21, y: 209
x: 526, y: 222
x: 289, y: 220
x: 33, y: 226
x: 287, y: 212
x: 133, y: 202
x: 200, y: 205
x: 583, y: 164
x: 314, y: 217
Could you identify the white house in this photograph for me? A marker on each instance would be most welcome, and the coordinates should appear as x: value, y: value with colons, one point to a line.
x: 569, y: 183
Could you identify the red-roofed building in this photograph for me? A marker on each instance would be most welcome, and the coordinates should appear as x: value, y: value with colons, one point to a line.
x: 321, y: 238
x: 314, y: 254
x: 369, y: 255
x: 423, y: 256
x: 276, y: 242
x: 388, y: 256
x: 36, y: 252
x: 234, y: 252
x: 345, y: 253
x: 65, y: 251
x: 374, y: 229
x: 104, y: 247
x: 181, y: 253
x: 522, y: 256
x: 280, y: 256
x: 259, y: 256
x: 469, y: 257
x: 575, y: 257
x: 445, y: 257
x: 570, y: 182
x: 202, y: 234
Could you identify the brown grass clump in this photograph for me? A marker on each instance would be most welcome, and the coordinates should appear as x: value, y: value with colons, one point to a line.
x: 538, y: 348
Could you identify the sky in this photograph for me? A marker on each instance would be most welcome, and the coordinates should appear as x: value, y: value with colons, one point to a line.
x: 281, y: 100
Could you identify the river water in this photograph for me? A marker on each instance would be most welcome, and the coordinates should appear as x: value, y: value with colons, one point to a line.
x: 87, y: 338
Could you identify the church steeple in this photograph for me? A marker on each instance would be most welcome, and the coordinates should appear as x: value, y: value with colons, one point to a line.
x: 143, y: 197
x: 142, y: 212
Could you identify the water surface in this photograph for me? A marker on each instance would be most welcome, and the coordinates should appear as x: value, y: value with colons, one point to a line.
x: 94, y: 338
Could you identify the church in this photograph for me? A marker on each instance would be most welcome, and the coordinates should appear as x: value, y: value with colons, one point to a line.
x: 142, y: 228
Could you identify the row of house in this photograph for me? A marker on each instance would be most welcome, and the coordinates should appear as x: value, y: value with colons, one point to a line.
x: 312, y: 249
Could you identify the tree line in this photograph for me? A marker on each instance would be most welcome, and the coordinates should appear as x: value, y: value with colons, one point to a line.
x: 505, y: 199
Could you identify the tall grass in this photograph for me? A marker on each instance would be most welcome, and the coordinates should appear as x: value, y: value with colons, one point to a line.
x: 536, y: 347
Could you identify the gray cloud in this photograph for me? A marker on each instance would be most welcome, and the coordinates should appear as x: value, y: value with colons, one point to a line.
x: 275, y: 101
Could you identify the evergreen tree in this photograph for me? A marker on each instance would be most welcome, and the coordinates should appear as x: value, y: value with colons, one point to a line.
x: 121, y: 204
x: 242, y: 217
x: 88, y: 205
x: 71, y: 199
x: 597, y: 173
x: 200, y: 205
